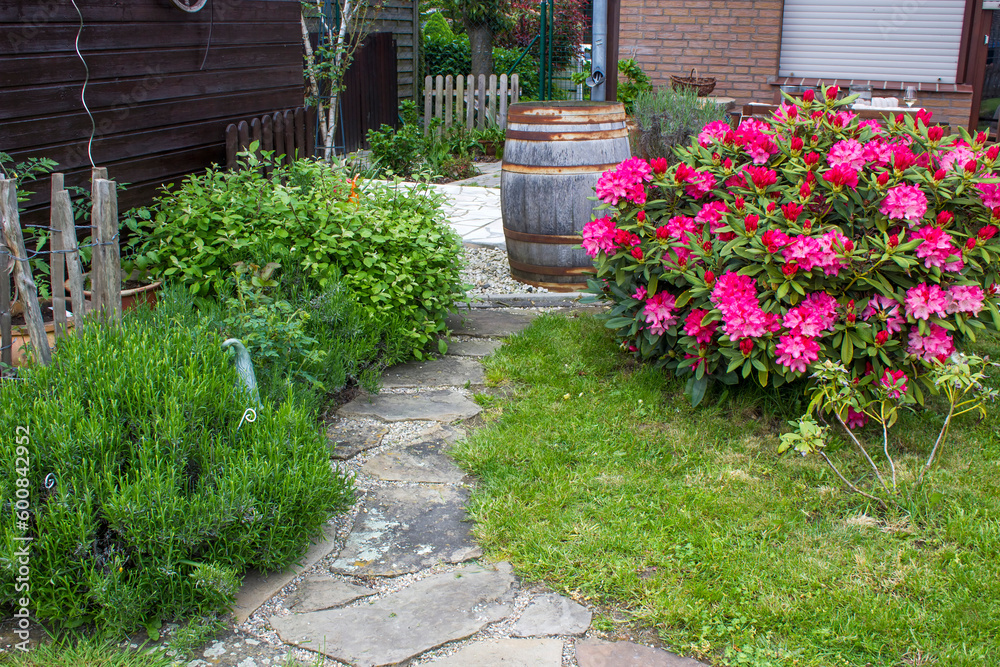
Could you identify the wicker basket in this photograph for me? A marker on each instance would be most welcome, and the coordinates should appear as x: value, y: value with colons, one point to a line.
x: 702, y: 85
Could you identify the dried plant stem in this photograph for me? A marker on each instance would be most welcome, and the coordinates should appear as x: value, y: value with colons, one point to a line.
x: 863, y: 451
x: 881, y: 502
x: 937, y: 444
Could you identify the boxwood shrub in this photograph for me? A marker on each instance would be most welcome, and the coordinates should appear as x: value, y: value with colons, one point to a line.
x: 145, y: 496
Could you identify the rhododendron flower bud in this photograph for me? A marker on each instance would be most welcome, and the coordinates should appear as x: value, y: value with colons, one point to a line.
x: 707, y: 247
x: 935, y: 133
x: 980, y: 138
x: 893, y: 240
x: 727, y: 164
x: 809, y: 95
x: 837, y: 121
x: 739, y: 204
x: 659, y: 165
x: 790, y: 268
x: 881, y: 338
x: 771, y: 207
x: 811, y: 159
x: 795, y: 144
x: 970, y: 243
x: 940, y: 174
x: 791, y: 211
x: 810, y: 177
x: 883, y: 178
x: 971, y: 166
x: 683, y: 172
x: 716, y: 158
x: 750, y: 222
x: 986, y: 233
x: 849, y: 246
x: 729, y: 138
x: 923, y: 116
x: 662, y: 232
x: 805, y: 190
x: 831, y: 93
x: 762, y: 177
x: 816, y: 115
x: 746, y: 347
x: 637, y: 252
x: 996, y: 213
x: 641, y: 216
x: 851, y: 318
x: 992, y: 152
x: 814, y: 138
x: 807, y: 225
x: 709, y: 278
x: 993, y: 290
x: 900, y: 118
x: 944, y: 217
x: 894, y: 382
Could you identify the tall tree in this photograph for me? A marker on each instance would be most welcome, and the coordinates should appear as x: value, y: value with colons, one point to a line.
x: 482, y: 19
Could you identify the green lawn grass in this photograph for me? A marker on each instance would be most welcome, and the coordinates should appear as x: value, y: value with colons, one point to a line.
x: 598, y: 478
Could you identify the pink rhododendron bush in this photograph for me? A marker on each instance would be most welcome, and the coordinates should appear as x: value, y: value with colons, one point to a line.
x: 815, y: 236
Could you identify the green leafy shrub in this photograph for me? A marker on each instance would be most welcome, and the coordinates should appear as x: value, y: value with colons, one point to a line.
x: 632, y: 81
x: 813, y: 236
x: 388, y: 246
x: 444, y: 56
x: 437, y: 27
x: 396, y: 150
x: 667, y: 119
x: 147, y: 495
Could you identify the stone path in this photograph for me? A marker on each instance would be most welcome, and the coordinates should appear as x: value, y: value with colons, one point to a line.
x: 400, y: 579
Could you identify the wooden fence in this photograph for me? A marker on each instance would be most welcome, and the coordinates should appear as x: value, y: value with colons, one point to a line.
x: 290, y: 133
x: 65, y: 266
x: 464, y: 100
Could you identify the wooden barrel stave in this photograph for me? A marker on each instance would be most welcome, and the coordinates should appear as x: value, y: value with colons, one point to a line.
x: 553, y: 157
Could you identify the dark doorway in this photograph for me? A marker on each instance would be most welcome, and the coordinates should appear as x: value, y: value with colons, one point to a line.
x: 370, y: 93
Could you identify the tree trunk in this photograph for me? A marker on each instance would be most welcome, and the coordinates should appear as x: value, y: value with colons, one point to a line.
x: 481, y: 43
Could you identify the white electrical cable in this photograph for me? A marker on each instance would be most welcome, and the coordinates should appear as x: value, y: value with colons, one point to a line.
x: 83, y: 91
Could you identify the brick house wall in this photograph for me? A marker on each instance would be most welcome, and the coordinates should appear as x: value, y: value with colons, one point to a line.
x: 738, y: 42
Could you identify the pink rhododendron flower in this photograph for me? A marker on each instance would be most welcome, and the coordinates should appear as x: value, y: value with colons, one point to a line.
x: 894, y: 382
x: 847, y: 152
x: 679, y: 226
x: 599, y: 235
x: 803, y: 250
x: 796, y: 352
x: 813, y: 317
x: 842, y: 118
x: 660, y: 312
x: 887, y: 310
x: 965, y: 299
x: 875, y: 126
x: 924, y: 300
x: 855, y: 419
x: 956, y: 157
x: 736, y: 298
x: 937, y: 248
x: 700, y: 184
x: 774, y: 240
x: 712, y: 213
x: 640, y: 293
x: 904, y: 202
x: 936, y: 345
x: 626, y: 181
x: 712, y: 133
x: 693, y: 327
x: 990, y: 194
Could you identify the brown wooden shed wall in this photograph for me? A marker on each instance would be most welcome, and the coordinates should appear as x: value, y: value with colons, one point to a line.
x: 397, y: 17
x: 159, y: 114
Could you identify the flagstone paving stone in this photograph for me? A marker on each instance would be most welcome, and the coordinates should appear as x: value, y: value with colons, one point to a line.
x: 318, y: 593
x: 490, y: 322
x: 551, y: 615
x: 473, y: 348
x: 597, y: 653
x: 424, y: 460
x: 448, y: 371
x: 347, y: 439
x: 506, y: 653
x: 406, y: 529
x: 443, y: 405
x: 428, y: 613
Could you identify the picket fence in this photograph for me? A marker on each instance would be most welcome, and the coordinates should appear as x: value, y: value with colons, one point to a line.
x: 465, y: 100
x: 65, y: 266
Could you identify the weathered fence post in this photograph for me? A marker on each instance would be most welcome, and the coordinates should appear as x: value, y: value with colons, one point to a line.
x: 57, y: 261
x: 6, y: 353
x: 63, y: 226
x: 107, y: 278
x: 26, y: 288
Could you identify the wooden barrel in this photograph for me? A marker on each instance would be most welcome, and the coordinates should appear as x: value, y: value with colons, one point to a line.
x: 553, y: 155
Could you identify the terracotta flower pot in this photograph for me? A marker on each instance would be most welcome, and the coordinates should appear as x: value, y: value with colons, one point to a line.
x: 20, y: 340
x: 134, y: 297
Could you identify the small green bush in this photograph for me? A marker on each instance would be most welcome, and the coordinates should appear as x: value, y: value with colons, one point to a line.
x: 631, y: 82
x: 444, y: 56
x: 389, y: 247
x: 437, y: 27
x: 147, y: 496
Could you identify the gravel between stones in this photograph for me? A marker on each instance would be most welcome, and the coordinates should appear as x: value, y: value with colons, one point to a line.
x: 488, y: 272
